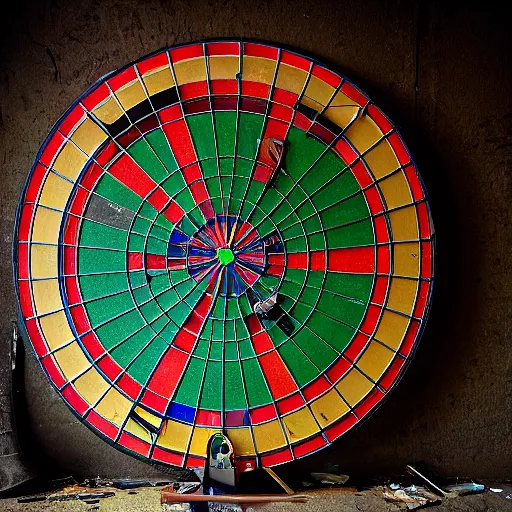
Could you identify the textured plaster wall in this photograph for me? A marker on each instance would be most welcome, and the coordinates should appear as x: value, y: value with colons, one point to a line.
x: 442, y: 72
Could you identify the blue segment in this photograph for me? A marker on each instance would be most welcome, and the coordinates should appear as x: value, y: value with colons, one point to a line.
x: 178, y: 237
x: 175, y: 251
x: 198, y: 251
x: 178, y: 242
x: 238, y: 284
x: 181, y: 412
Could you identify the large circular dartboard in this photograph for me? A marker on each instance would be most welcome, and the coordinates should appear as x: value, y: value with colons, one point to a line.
x: 223, y: 237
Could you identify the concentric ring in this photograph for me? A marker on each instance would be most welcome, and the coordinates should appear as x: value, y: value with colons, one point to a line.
x: 223, y: 237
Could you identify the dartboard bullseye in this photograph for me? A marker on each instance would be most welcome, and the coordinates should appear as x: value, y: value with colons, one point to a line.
x: 223, y: 237
x: 225, y: 250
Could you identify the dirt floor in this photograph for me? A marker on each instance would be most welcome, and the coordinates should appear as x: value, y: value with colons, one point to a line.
x: 147, y: 500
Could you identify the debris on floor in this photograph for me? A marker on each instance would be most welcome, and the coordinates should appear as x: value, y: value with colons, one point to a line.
x: 465, y: 488
x: 331, y: 476
x: 324, y: 498
x: 412, y: 496
x: 92, y: 490
x: 415, y: 489
x: 429, y: 493
x: 127, y: 483
x: 72, y: 492
x: 431, y: 485
x: 330, y: 479
x: 31, y: 499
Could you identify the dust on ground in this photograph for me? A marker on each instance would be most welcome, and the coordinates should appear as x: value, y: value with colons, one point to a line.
x: 148, y: 499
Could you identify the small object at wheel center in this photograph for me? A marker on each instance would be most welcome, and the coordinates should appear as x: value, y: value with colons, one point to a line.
x: 225, y: 256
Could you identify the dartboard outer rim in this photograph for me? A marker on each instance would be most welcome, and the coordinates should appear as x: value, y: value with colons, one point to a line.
x: 432, y: 240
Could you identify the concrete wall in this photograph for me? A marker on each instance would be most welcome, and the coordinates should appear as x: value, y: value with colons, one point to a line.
x: 442, y: 73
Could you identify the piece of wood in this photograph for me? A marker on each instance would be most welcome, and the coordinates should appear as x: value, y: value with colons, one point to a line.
x: 169, y: 496
x: 280, y: 481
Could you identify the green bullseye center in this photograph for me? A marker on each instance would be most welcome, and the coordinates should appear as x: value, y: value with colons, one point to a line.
x: 225, y: 256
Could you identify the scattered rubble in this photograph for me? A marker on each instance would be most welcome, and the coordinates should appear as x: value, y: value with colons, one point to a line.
x: 416, y: 490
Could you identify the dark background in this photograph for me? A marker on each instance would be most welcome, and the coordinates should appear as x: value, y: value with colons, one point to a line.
x: 442, y: 71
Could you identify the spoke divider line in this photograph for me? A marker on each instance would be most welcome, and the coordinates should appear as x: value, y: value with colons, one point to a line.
x: 184, y: 116
x: 237, y: 127
x: 214, y: 131
x: 244, y: 384
x: 263, y: 127
x: 201, y: 387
